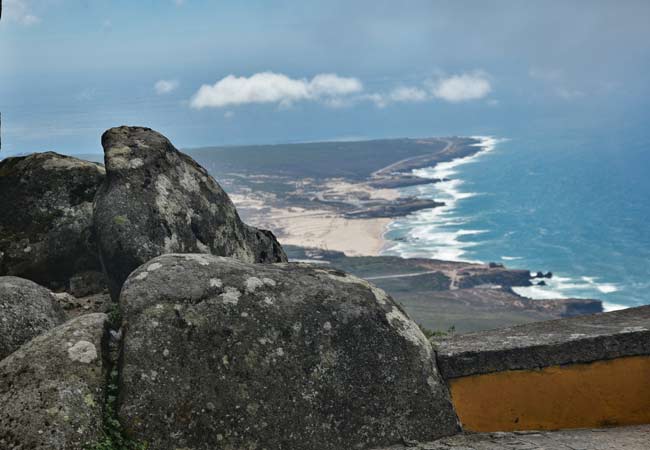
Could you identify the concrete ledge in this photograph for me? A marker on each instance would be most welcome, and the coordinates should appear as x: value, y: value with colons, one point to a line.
x: 582, y: 372
x: 580, y: 339
x: 628, y: 438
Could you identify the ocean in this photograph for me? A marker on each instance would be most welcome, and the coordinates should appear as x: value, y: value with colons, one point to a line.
x: 573, y: 205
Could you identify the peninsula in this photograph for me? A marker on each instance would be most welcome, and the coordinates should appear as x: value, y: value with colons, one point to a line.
x: 331, y: 203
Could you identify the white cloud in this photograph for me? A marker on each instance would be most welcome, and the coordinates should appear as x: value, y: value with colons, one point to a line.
x: 455, y: 88
x: 379, y: 100
x: 270, y: 87
x: 334, y: 91
x: 179, y: 2
x: 409, y: 94
x: 165, y: 86
x: 460, y: 88
x: 18, y: 11
x: 331, y: 85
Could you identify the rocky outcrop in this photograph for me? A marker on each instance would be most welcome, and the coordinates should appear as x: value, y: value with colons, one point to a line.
x: 26, y: 310
x: 77, y: 306
x: 158, y: 200
x: 45, y: 227
x: 476, y: 276
x: 223, y: 354
x: 52, y: 389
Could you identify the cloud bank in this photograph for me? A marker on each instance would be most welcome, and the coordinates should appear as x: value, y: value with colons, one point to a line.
x: 461, y: 88
x: 270, y: 87
x: 165, y: 86
x: 334, y: 91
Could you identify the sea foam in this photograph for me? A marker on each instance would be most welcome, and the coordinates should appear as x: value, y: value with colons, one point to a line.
x: 426, y: 233
x: 438, y: 233
x: 566, y: 287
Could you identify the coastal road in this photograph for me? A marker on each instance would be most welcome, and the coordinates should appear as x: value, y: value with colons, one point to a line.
x: 452, y: 274
x: 401, y: 275
x: 388, y: 169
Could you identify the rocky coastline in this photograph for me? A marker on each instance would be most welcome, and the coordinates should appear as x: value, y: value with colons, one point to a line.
x: 451, y: 295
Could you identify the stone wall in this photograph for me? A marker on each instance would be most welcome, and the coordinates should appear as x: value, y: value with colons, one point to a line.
x: 582, y: 372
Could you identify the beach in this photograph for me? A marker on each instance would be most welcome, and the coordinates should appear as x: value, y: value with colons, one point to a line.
x: 318, y: 228
x: 329, y: 226
x: 354, y: 237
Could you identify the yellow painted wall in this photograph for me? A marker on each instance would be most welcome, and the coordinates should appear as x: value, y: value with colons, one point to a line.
x: 599, y: 394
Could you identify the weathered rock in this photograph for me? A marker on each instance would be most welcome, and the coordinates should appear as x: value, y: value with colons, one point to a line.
x: 89, y: 282
x: 158, y: 200
x: 77, y: 306
x: 26, y: 310
x: 52, y: 388
x: 223, y: 354
x: 45, y: 227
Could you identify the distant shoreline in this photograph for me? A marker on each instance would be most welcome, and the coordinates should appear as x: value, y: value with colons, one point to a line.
x: 444, y: 171
x: 356, y: 233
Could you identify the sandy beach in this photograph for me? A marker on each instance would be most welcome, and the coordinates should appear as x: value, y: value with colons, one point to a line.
x: 322, y: 228
x: 354, y: 237
x: 317, y: 228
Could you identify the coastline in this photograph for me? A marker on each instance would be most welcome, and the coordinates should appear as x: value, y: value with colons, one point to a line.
x: 438, y: 228
x: 330, y: 229
x: 424, y: 234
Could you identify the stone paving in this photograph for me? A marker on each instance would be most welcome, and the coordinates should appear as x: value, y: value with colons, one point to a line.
x: 622, y: 438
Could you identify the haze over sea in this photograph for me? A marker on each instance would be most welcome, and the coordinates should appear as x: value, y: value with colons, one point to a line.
x: 565, y: 83
x: 574, y: 205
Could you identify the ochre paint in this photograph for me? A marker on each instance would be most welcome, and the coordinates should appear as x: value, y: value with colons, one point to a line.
x: 594, y: 395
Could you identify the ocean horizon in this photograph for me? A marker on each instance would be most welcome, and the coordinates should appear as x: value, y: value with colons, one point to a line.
x: 575, y: 207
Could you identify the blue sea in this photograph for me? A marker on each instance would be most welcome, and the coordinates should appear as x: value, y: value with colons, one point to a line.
x: 573, y: 205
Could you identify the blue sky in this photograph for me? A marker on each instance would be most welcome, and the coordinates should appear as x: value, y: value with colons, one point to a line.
x: 219, y: 72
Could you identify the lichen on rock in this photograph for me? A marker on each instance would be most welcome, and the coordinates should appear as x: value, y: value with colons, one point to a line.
x: 52, y: 389
x: 26, y: 311
x: 157, y: 200
x: 272, y: 356
x: 45, y: 230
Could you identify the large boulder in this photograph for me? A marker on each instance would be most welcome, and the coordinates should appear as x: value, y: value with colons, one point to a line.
x: 26, y: 311
x: 45, y: 226
x: 223, y: 354
x: 52, y: 389
x: 158, y: 200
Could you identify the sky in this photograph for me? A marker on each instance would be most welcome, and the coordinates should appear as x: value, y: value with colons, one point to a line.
x: 218, y: 72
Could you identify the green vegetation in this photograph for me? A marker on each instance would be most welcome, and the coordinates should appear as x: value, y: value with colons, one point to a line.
x: 437, y: 333
x: 352, y: 160
x: 114, y: 437
x: 114, y: 316
x: 120, y: 220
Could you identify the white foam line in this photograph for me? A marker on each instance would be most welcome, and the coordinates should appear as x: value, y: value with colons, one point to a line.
x: 608, y: 307
x: 427, y: 235
x: 565, y: 287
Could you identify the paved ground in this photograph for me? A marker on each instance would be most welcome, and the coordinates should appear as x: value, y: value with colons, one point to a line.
x: 623, y: 438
